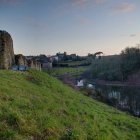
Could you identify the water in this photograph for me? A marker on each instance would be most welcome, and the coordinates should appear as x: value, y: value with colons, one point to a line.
x: 126, y: 98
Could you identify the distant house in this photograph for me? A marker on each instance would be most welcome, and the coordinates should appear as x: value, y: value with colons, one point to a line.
x: 55, y: 58
x: 29, y: 57
x: 60, y: 56
x: 46, y: 61
x: 73, y: 56
x: 65, y: 57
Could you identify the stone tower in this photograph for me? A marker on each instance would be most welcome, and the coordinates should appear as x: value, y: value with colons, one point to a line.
x: 6, y: 50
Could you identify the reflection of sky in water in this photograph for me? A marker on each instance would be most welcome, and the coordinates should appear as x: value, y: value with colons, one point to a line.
x: 124, y: 98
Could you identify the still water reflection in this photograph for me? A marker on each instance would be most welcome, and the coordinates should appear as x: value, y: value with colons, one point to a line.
x: 124, y: 98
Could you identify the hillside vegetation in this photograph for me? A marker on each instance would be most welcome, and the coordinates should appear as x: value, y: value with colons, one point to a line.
x: 118, y: 67
x: 35, y: 106
x: 74, y: 63
x: 66, y: 70
x: 107, y: 68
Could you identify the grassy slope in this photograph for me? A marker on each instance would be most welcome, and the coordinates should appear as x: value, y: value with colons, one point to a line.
x: 75, y: 63
x: 70, y: 71
x: 34, y: 105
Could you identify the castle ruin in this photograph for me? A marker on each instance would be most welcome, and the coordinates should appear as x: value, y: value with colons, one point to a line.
x: 7, y: 58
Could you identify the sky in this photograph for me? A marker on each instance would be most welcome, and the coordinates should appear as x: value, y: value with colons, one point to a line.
x: 74, y: 26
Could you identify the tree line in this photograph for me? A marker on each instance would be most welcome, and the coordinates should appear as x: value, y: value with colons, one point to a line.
x: 117, y: 67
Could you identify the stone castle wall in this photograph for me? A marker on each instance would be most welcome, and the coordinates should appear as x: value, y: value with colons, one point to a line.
x: 7, y: 58
x: 20, y: 60
x: 34, y: 64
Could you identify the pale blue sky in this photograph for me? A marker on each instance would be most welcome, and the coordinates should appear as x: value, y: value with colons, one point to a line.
x: 74, y: 26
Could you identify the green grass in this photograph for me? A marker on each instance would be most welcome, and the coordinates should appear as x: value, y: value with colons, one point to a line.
x: 70, y: 71
x: 35, y: 106
x: 75, y: 63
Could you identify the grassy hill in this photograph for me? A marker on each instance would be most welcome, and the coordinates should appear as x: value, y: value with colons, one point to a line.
x: 35, y: 106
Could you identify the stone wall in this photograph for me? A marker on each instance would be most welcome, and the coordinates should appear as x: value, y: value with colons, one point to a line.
x: 6, y: 50
x: 47, y: 65
x: 10, y: 61
x: 34, y: 64
x: 20, y: 60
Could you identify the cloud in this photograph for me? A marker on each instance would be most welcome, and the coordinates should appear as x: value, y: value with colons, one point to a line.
x: 135, y: 34
x: 83, y: 20
x: 86, y: 2
x: 124, y: 8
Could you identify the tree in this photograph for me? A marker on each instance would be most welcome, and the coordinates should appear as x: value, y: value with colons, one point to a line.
x: 130, y: 60
x: 93, y: 56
